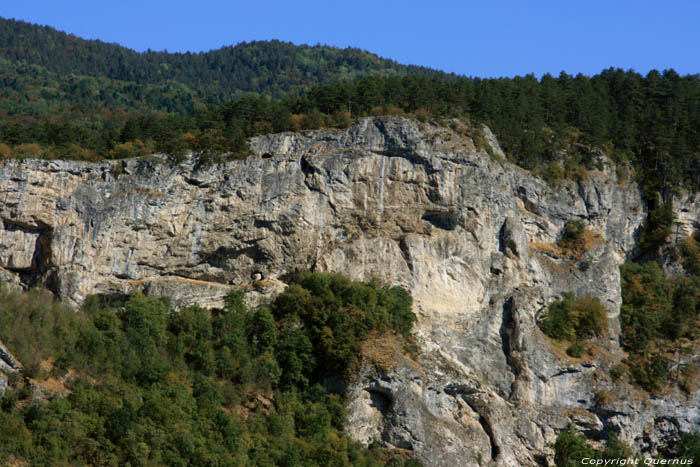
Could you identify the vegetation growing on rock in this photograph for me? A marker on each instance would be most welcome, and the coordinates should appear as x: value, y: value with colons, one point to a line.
x: 576, y: 240
x: 572, y: 447
x: 574, y: 318
x: 659, y: 320
x: 655, y: 230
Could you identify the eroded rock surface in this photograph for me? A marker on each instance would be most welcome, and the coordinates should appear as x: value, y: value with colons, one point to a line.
x: 411, y: 203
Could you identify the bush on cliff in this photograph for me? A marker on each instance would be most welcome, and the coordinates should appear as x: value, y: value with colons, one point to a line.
x: 655, y: 230
x: 571, y: 448
x: 574, y: 318
x: 657, y: 314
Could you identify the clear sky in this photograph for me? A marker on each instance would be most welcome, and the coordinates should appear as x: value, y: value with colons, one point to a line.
x: 485, y: 38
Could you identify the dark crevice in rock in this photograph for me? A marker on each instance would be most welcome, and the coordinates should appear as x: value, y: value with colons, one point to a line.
x: 306, y: 167
x: 20, y: 271
x: 486, y: 426
x: 263, y: 224
x: 463, y: 390
x: 565, y: 371
x: 202, y: 278
x: 309, y: 170
x: 604, y: 414
x: 506, y: 240
x: 445, y: 220
x: 409, y: 155
x: 593, y: 215
x: 41, y: 270
x: 15, y: 224
x: 43, y: 255
x: 380, y: 400
x: 581, y: 192
x: 223, y: 255
x: 506, y: 332
x: 192, y: 181
x: 406, y: 253
x: 220, y: 256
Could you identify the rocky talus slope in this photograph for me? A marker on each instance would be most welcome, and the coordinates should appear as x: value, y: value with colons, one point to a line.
x: 413, y: 204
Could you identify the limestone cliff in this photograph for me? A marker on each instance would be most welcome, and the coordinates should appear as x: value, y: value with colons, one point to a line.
x: 410, y: 203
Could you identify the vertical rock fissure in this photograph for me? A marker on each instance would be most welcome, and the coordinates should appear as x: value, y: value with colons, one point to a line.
x: 406, y: 253
x: 43, y: 257
x: 486, y: 426
x: 505, y: 333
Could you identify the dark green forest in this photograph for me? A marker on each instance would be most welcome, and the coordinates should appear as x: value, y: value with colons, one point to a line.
x: 65, y: 97
x: 137, y: 383
x: 271, y: 68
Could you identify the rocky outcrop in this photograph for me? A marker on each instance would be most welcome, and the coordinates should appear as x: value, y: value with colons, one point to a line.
x: 413, y: 204
x: 8, y: 364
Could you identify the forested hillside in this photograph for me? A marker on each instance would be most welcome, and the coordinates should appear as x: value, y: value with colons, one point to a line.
x: 272, y: 68
x: 70, y: 98
x: 139, y: 384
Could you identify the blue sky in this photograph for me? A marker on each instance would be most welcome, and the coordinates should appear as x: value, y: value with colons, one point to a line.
x: 488, y: 38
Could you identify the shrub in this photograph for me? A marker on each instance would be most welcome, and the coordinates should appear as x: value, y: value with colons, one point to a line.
x: 556, y: 323
x: 616, y: 449
x: 602, y: 397
x: 576, y: 240
x: 5, y: 151
x: 573, y: 229
x: 36, y: 326
x: 553, y: 173
x: 656, y: 229
x: 651, y: 374
x: 575, y: 350
x: 572, y: 318
x: 422, y: 114
x: 655, y: 311
x: 617, y: 371
x: 690, y: 254
x: 570, y: 448
x: 133, y: 148
x: 341, y: 119
x: 592, y: 320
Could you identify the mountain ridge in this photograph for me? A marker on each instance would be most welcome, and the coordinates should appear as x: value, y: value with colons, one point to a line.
x: 245, y: 67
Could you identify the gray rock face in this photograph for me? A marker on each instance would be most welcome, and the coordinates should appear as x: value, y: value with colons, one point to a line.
x: 409, y: 203
x: 8, y: 364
